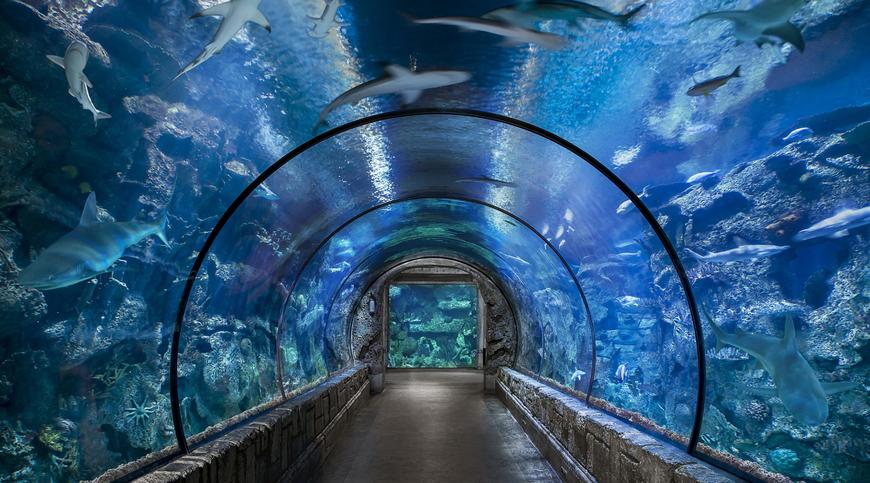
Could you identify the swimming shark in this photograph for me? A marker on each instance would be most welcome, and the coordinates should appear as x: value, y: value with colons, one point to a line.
x: 513, y: 34
x: 763, y: 22
x: 528, y: 13
x: 739, y: 254
x: 705, y: 88
x: 796, y: 383
x: 326, y: 21
x: 87, y: 251
x: 73, y: 63
x: 235, y: 13
x: 798, y: 134
x: 397, y: 80
x: 836, y: 226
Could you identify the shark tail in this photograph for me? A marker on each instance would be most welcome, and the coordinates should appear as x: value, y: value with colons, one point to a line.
x: 623, y: 19
x: 717, y: 331
x: 161, y: 229
x: 736, y: 72
x: 206, y: 54
x: 98, y: 114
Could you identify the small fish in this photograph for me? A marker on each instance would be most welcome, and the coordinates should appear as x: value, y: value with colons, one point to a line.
x: 512, y: 34
x: 577, y: 375
x: 836, y: 226
x: 568, y: 216
x: 263, y: 191
x: 545, y: 229
x: 324, y: 23
x: 396, y: 80
x: 766, y: 21
x: 73, y: 63
x: 739, y: 254
x: 87, y: 251
x: 235, y: 13
x: 560, y: 230
x: 510, y: 222
x: 620, y: 373
x: 527, y: 13
x: 798, y: 134
x: 630, y: 302
x: 704, y: 88
x: 487, y: 180
x: 702, y: 176
x: 70, y: 171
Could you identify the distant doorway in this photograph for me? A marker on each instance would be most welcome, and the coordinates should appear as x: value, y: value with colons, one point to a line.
x: 433, y: 325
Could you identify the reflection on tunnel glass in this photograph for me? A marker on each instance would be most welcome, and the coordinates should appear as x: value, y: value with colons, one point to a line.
x: 433, y: 325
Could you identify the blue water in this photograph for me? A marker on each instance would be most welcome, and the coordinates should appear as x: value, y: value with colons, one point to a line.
x: 84, y: 381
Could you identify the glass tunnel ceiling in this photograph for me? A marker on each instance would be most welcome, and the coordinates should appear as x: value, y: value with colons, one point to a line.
x: 84, y: 368
x: 526, y: 209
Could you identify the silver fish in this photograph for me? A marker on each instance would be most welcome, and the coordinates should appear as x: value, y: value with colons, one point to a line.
x: 704, y: 88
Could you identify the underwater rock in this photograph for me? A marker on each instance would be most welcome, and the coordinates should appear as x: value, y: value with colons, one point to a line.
x: 785, y: 460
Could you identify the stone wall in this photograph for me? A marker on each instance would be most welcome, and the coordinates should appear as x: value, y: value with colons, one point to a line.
x: 570, y: 435
x: 286, y: 443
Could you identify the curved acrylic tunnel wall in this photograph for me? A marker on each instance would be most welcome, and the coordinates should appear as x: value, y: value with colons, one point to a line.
x: 524, y: 206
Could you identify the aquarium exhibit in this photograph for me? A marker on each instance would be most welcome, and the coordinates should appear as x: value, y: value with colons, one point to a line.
x: 671, y: 199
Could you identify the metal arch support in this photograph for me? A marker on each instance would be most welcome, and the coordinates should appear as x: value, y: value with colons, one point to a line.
x: 601, y: 168
x: 501, y: 210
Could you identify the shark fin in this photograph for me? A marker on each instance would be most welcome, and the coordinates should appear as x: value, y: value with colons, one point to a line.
x: 260, y: 19
x: 219, y: 10
x: 717, y: 331
x: 103, y: 115
x: 87, y: 81
x: 623, y: 19
x: 839, y: 234
x: 758, y: 365
x: 736, y: 72
x: 56, y: 60
x: 410, y: 96
x: 835, y: 387
x: 395, y: 70
x: 789, y: 340
x: 89, y: 214
x: 789, y: 33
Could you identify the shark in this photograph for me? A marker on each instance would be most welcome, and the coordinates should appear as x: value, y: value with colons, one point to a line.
x: 836, y: 226
x: 87, y: 251
x: 397, y: 80
x: 796, y: 382
x: 705, y: 88
x: 528, y: 13
x: 263, y: 191
x: 513, y: 34
x: 739, y: 254
x: 73, y: 63
x: 235, y: 13
x: 326, y: 21
x: 766, y: 21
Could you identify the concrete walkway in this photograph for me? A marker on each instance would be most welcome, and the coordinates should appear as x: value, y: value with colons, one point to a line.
x: 435, y: 426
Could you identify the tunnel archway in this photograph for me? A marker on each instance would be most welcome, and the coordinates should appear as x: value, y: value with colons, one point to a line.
x: 431, y: 154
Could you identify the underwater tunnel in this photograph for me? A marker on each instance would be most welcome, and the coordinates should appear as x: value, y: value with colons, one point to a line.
x: 539, y: 240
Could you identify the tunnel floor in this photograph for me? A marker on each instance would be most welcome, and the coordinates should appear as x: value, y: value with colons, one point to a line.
x: 435, y: 426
